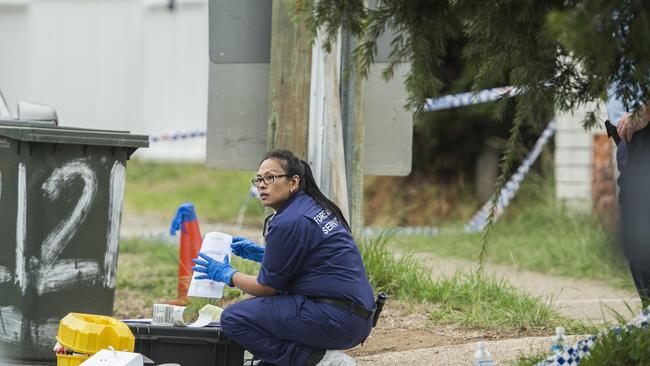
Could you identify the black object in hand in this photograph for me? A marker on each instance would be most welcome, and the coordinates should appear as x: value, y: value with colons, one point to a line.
x: 612, y: 132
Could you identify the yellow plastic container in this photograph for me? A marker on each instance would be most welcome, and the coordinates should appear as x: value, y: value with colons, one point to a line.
x: 70, y: 360
x: 88, y: 334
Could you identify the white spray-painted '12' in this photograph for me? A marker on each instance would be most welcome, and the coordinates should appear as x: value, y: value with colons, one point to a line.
x: 55, y: 274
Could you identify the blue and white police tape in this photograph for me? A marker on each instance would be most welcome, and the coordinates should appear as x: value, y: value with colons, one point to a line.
x: 573, y: 355
x: 433, y: 104
x: 177, y: 136
x: 469, y: 98
x: 479, y: 220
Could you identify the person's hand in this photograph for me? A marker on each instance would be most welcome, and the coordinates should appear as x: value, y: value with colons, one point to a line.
x: 213, y: 269
x: 246, y: 249
x: 626, y: 127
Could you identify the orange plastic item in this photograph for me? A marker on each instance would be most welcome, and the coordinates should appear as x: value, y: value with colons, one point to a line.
x: 190, y: 244
x: 188, y: 250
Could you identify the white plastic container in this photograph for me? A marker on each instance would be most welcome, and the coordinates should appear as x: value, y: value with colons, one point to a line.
x: 558, y: 344
x: 482, y: 357
x: 107, y: 357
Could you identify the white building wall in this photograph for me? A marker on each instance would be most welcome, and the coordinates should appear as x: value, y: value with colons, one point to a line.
x: 175, y: 72
x: 573, y: 158
x: 111, y: 64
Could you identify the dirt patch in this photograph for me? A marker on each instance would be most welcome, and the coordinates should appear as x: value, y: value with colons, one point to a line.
x: 402, y: 326
x: 391, y: 201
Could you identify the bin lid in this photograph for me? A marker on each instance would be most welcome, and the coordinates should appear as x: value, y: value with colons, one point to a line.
x: 47, y: 132
x: 89, y: 333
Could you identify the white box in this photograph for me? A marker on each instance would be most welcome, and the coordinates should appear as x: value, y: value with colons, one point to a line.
x: 107, y: 357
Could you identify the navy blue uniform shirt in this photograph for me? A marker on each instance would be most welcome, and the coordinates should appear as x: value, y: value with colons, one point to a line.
x: 310, y: 253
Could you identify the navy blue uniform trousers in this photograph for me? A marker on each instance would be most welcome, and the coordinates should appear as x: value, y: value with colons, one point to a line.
x: 285, y: 329
x: 634, y: 183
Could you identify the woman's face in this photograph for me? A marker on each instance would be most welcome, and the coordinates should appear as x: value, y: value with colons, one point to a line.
x: 274, y: 194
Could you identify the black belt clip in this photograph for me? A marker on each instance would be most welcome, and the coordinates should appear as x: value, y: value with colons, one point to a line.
x: 379, y: 306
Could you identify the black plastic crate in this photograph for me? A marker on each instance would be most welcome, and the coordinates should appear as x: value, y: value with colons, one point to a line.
x: 206, y: 346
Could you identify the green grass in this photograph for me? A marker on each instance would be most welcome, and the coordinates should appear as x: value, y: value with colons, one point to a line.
x: 470, y: 299
x: 153, y: 188
x: 149, y: 270
x: 627, y: 348
x: 538, y: 233
x: 528, y: 360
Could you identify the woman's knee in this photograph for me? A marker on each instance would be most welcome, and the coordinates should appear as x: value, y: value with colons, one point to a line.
x: 231, y: 320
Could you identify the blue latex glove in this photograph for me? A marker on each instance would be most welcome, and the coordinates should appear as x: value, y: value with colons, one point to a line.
x: 246, y: 249
x: 213, y: 269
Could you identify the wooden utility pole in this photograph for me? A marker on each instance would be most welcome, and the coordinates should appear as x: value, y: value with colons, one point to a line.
x: 289, y: 81
x: 335, y: 159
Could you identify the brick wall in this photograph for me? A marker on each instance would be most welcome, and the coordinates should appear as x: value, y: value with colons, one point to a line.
x: 603, y: 185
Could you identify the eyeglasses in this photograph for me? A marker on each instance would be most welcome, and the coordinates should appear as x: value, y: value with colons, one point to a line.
x: 269, y: 179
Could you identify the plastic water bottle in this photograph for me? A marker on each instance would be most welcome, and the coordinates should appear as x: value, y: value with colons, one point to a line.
x: 482, y: 357
x: 559, y: 341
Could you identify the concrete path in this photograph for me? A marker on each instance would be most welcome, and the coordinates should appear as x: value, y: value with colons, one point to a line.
x: 462, y: 355
x: 593, y: 302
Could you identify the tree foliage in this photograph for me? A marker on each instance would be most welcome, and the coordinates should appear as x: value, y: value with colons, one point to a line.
x: 559, y: 54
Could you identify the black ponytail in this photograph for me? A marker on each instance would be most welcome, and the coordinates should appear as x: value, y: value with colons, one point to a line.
x: 301, y: 168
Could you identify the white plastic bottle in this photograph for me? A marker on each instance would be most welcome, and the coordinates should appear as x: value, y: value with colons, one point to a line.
x: 482, y: 357
x: 559, y: 341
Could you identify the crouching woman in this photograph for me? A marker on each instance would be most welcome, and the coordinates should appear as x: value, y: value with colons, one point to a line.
x: 312, y: 295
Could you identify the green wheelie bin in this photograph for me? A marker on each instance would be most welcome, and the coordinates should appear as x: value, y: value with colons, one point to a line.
x: 61, y: 193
